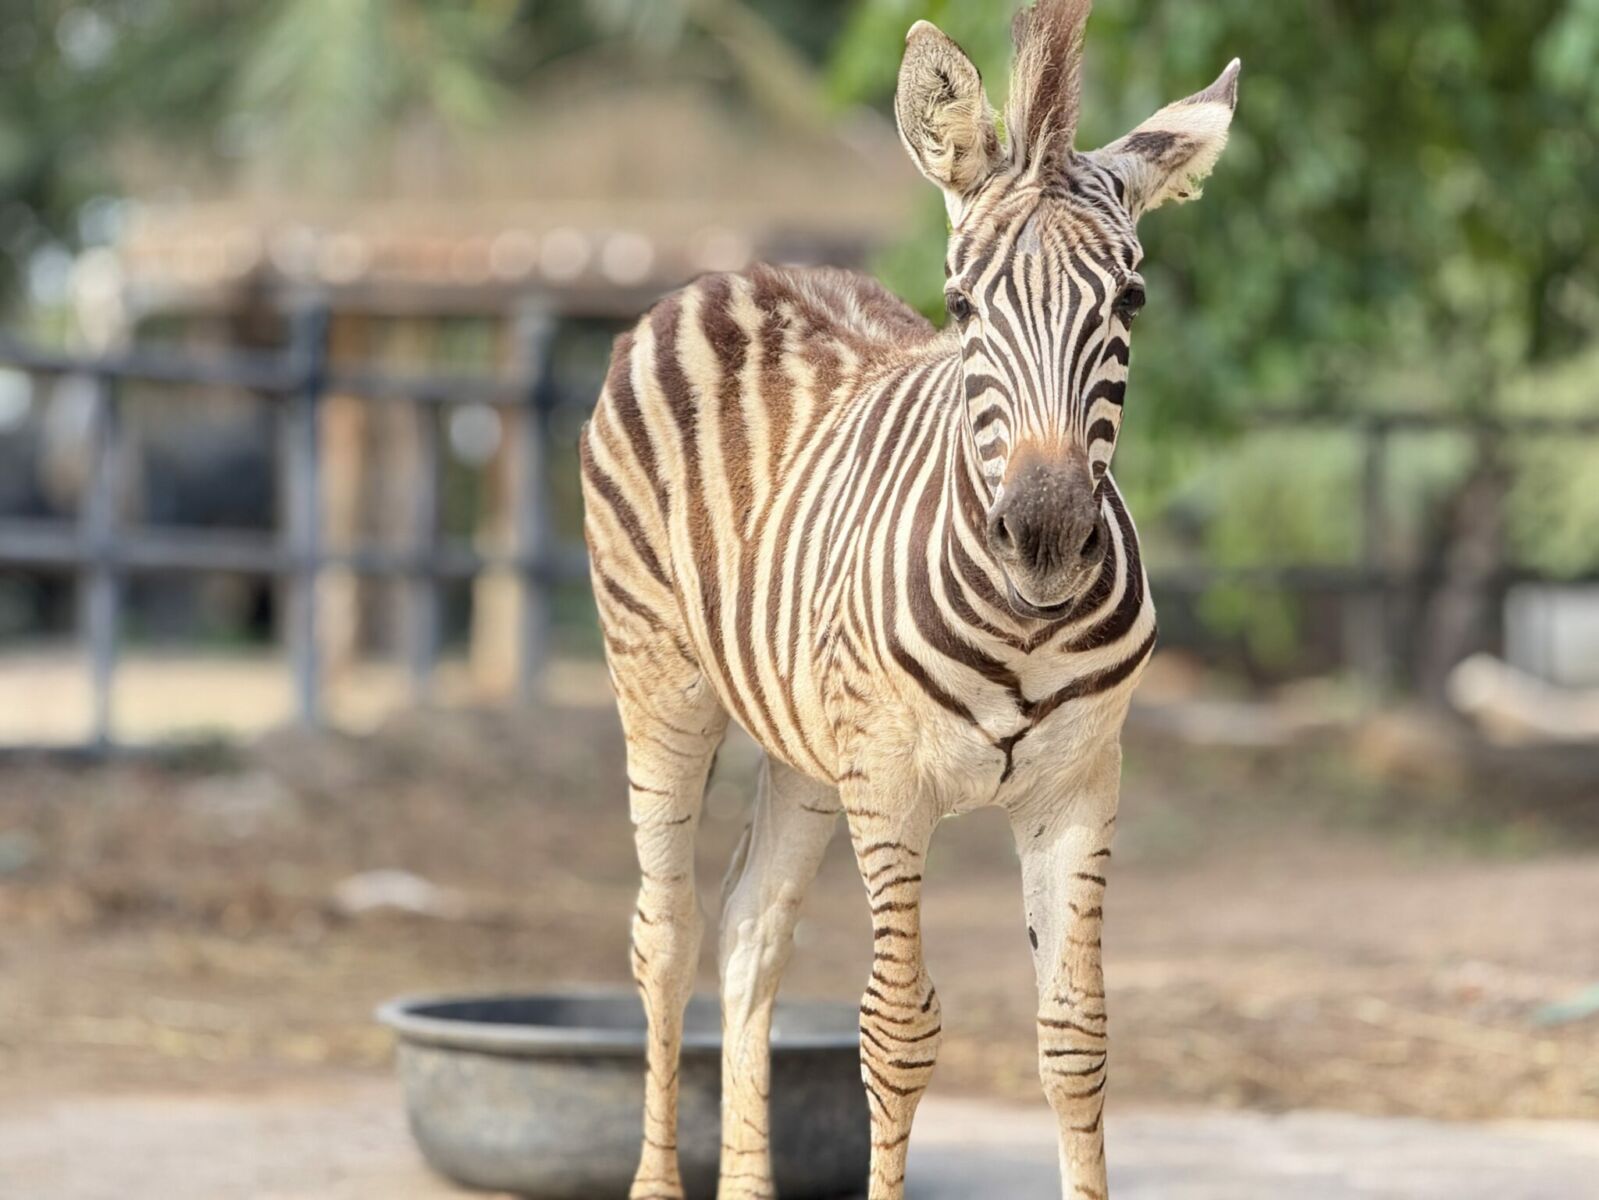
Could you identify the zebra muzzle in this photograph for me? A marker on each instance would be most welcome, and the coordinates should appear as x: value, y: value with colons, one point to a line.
x: 1047, y: 532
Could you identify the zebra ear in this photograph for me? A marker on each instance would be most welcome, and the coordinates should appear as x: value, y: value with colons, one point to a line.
x: 1168, y: 157
x: 944, y: 116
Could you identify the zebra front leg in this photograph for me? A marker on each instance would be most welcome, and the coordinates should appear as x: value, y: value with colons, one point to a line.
x: 900, y: 1019
x: 1064, y: 855
x: 793, y: 822
x: 669, y: 756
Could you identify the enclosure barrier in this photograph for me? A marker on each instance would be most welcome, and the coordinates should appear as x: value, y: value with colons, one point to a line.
x: 102, y: 554
x: 1376, y: 579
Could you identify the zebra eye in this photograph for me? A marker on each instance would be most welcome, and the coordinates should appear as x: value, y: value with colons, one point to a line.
x: 1130, y: 302
x: 959, y: 305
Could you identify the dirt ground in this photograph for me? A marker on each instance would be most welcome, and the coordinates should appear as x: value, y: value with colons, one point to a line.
x: 1357, y: 924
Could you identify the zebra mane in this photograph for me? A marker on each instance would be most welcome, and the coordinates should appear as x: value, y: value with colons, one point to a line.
x: 1047, y: 79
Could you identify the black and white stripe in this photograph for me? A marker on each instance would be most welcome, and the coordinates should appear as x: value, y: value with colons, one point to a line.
x: 792, y: 484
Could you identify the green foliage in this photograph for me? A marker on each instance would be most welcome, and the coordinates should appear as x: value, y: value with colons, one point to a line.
x: 1553, y: 506
x: 1403, y: 219
x: 41, y: 111
x: 1277, y: 497
x: 302, y: 83
x: 331, y: 75
x: 1407, y: 185
x: 307, y: 90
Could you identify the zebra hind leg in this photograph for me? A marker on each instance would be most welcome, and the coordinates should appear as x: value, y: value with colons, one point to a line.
x: 673, y: 729
x: 793, y: 821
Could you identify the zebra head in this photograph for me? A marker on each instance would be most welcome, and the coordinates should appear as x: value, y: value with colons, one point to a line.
x: 1042, y: 277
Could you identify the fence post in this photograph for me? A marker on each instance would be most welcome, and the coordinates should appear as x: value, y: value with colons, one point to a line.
x: 422, y: 585
x: 535, y: 334
x: 303, y: 476
x: 102, y: 581
x: 1372, y: 650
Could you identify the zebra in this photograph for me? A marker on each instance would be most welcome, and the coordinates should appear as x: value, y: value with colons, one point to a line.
x: 896, y: 556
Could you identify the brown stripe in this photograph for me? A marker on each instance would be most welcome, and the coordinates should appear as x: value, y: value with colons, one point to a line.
x: 1094, y: 684
x: 605, y: 487
x: 624, y: 404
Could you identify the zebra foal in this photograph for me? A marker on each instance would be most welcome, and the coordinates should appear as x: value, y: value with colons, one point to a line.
x: 897, y: 557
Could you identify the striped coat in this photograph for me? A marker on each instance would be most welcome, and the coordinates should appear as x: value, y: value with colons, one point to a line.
x: 780, y: 467
x: 897, y: 557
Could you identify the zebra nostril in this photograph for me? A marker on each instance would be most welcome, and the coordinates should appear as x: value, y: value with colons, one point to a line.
x: 1000, y: 533
x: 1091, y: 544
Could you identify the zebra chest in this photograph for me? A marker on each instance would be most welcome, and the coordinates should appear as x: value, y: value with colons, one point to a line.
x: 993, y: 749
x: 1047, y: 757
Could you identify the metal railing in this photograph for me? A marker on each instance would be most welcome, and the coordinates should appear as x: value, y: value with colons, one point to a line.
x: 1378, y: 580
x: 103, y: 553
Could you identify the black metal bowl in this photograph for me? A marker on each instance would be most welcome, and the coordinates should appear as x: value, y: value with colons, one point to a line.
x: 542, y: 1096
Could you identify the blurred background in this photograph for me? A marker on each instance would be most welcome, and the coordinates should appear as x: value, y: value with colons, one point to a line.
x: 302, y: 304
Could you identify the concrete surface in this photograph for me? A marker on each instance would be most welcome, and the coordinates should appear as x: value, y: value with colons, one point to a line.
x: 46, y: 699
x: 975, y: 1150
x: 346, y: 1140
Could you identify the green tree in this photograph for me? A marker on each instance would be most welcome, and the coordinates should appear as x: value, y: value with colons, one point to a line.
x: 306, y: 87
x: 1404, y: 215
x: 1403, y: 220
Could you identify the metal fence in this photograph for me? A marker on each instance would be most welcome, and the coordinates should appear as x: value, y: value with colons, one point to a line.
x: 102, y: 553
x: 1381, y: 582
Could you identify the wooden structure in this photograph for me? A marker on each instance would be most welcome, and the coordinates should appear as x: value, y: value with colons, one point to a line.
x: 580, y: 217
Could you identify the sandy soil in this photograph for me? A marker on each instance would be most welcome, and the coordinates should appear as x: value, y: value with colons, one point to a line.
x: 1286, y: 929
